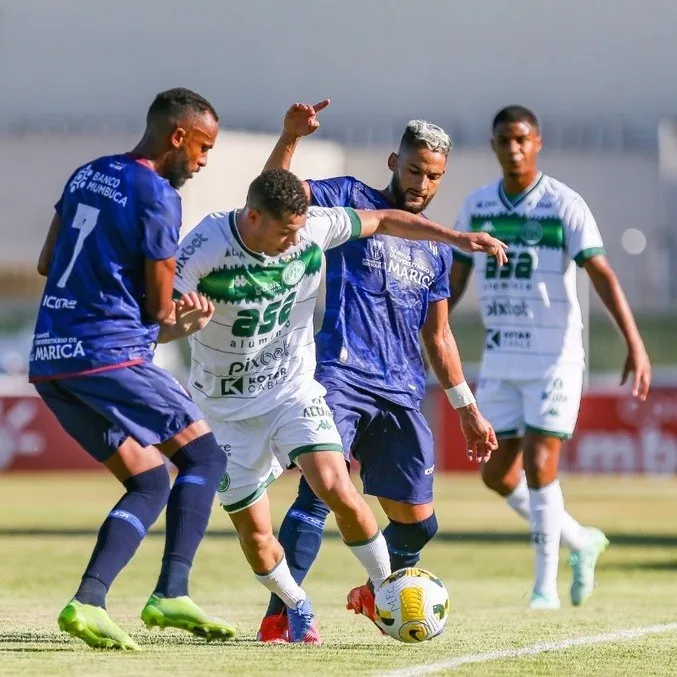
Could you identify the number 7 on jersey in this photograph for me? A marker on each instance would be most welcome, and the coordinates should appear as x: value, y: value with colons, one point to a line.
x: 84, y: 220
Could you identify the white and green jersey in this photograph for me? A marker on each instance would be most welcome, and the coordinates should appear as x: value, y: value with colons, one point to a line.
x: 258, y: 348
x: 529, y: 306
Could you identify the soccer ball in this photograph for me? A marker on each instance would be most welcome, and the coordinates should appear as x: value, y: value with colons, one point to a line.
x: 412, y: 605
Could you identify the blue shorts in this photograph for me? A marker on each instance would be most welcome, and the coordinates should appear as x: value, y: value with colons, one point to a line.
x: 393, y: 444
x: 100, y: 411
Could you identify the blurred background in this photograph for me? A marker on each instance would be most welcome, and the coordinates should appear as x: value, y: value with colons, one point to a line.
x: 76, y: 78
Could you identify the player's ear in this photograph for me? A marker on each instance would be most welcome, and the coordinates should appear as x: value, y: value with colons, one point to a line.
x: 538, y: 143
x: 178, y: 137
x: 492, y: 144
x: 392, y: 162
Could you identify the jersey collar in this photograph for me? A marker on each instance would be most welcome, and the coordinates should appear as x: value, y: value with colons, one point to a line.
x: 232, y: 220
x: 511, y: 205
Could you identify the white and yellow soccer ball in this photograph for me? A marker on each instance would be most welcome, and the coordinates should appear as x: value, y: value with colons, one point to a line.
x: 412, y: 605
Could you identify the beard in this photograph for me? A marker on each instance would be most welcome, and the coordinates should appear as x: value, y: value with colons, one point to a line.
x: 400, y: 198
x: 179, y: 172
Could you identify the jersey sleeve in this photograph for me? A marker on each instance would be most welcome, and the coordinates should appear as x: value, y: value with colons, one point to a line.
x: 440, y: 289
x: 160, y: 224
x: 199, y: 254
x: 332, y: 226
x: 334, y: 192
x: 581, y: 234
x: 463, y: 224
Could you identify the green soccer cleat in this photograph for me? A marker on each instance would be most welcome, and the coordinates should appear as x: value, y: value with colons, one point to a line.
x: 542, y: 602
x: 583, y: 564
x: 184, y: 614
x: 94, y: 627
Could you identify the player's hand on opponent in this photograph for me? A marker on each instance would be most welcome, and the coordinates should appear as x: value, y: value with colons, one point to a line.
x: 474, y: 243
x: 193, y: 312
x: 637, y: 363
x: 301, y: 118
x: 479, y: 434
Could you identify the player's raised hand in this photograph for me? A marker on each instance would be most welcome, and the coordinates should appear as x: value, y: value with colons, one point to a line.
x: 479, y: 434
x: 193, y: 312
x: 301, y: 118
x: 483, y: 243
x: 637, y: 363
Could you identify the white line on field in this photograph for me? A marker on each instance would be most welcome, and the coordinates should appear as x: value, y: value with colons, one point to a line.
x: 453, y: 663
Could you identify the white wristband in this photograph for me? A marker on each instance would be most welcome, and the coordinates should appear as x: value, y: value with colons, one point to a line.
x: 460, y: 395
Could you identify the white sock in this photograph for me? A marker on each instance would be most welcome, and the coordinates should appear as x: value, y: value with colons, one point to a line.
x: 282, y: 583
x: 546, y: 507
x: 518, y: 499
x: 373, y: 556
x: 574, y: 536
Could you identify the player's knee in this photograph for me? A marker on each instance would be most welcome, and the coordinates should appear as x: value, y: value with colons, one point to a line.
x: 497, y: 480
x: 152, y: 489
x: 411, y: 537
x: 339, y: 493
x: 202, y: 457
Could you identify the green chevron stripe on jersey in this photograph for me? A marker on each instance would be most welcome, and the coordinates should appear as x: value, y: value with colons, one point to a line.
x: 251, y: 283
x: 518, y: 230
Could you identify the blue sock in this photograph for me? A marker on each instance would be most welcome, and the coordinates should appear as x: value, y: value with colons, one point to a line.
x: 300, y: 536
x: 122, y: 532
x: 405, y: 541
x: 201, y: 465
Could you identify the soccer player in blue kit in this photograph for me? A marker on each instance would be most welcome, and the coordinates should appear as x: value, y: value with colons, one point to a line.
x: 109, y: 260
x: 381, y: 292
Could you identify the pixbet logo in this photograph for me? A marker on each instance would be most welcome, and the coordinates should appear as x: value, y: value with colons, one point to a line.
x: 15, y: 439
x: 187, y: 251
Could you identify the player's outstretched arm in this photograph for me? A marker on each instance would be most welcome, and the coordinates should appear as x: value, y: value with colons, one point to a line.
x: 445, y: 360
x: 192, y: 312
x: 415, y: 227
x: 611, y: 293
x: 300, y: 120
x: 458, y: 281
x: 48, y: 247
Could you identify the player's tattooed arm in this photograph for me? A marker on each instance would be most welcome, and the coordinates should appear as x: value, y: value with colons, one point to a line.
x: 300, y: 120
x: 48, y: 247
x: 458, y: 280
x: 611, y: 293
x: 445, y: 360
x: 415, y: 227
x: 192, y: 312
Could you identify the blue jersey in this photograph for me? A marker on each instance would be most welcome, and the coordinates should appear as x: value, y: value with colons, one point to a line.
x: 378, y: 291
x: 115, y: 213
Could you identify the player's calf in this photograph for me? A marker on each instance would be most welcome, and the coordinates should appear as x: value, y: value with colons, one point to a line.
x: 327, y: 475
x: 405, y: 541
x: 201, y: 463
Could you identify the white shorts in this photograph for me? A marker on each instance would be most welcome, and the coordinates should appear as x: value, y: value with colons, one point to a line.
x: 547, y: 405
x: 260, y: 448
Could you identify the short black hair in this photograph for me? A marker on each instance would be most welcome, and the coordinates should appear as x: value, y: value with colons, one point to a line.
x: 277, y: 192
x: 515, y: 114
x: 173, y: 104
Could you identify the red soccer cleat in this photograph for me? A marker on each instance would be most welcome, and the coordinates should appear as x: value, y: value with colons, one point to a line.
x: 274, y: 629
x: 362, y: 601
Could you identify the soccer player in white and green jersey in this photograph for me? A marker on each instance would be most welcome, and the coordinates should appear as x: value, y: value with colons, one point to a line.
x: 253, y: 365
x: 532, y: 368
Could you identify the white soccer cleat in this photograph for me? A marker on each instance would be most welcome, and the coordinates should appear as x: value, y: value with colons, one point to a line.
x: 543, y: 602
x: 583, y: 565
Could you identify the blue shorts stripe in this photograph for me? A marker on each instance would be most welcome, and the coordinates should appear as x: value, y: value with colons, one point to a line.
x: 308, y: 519
x: 190, y: 479
x: 132, y: 519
